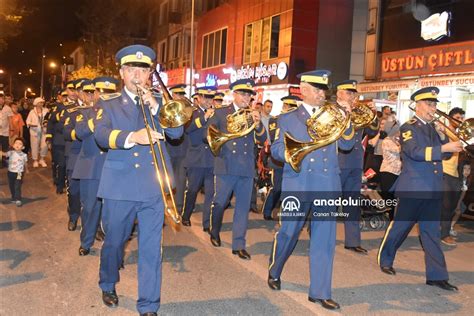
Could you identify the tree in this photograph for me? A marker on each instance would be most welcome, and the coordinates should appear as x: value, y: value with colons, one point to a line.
x: 11, y: 18
x: 109, y: 25
x: 88, y: 72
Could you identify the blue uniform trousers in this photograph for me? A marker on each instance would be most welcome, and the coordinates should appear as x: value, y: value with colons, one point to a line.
x: 73, y: 197
x: 59, y: 174
x: 196, y: 178
x: 117, y: 220
x: 91, y: 207
x: 351, y: 185
x: 321, y: 251
x: 179, y: 173
x: 273, y: 195
x: 427, y: 213
x: 242, y: 188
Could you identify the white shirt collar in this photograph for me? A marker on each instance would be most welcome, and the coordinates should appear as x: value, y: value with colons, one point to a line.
x: 130, y: 94
x: 236, y: 108
x: 309, y: 108
x: 423, y: 121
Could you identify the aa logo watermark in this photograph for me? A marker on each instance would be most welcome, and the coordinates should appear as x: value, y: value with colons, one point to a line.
x: 290, y: 206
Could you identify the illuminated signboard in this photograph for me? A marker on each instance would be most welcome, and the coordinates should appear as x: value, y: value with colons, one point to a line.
x: 451, y: 58
x: 260, y: 73
x: 435, y: 27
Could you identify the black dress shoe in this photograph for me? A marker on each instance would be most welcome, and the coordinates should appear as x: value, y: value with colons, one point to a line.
x: 99, y: 235
x: 72, y: 225
x: 110, y: 299
x: 268, y: 218
x: 186, y: 222
x: 216, y: 242
x: 443, y: 284
x: 358, y: 249
x: 242, y: 253
x: 83, y: 251
x: 274, y: 284
x: 148, y: 314
x: 388, y: 270
x: 328, y: 304
x: 207, y: 230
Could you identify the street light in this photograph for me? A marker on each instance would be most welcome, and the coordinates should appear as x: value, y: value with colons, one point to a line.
x: 52, y: 65
x: 26, y: 92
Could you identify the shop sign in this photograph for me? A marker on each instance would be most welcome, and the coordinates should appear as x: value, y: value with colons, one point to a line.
x: 435, y: 27
x: 412, y: 84
x: 261, y: 73
x: 449, y: 58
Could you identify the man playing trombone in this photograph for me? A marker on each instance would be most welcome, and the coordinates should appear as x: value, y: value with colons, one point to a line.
x: 129, y: 185
x: 420, y: 190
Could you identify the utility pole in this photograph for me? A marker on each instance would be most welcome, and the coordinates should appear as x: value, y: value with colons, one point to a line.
x: 191, y: 72
x: 42, y: 72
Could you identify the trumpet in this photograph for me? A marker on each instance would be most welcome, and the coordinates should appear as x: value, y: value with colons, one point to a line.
x: 239, y: 124
x: 324, y: 127
x: 173, y: 113
x: 362, y: 115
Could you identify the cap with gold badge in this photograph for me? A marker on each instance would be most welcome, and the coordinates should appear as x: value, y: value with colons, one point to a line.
x: 219, y: 96
x: 70, y: 84
x: 316, y: 78
x: 426, y: 94
x: 208, y: 91
x: 86, y: 85
x: 105, y: 84
x: 291, y: 100
x: 349, y: 85
x: 136, y: 55
x: 178, y: 89
x: 244, y: 85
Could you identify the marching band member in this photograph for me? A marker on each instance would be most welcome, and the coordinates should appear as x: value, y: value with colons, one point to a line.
x: 273, y: 196
x: 177, y: 149
x: 318, y: 179
x: 351, y: 165
x: 88, y: 167
x: 217, y: 101
x: 234, y: 169
x: 419, y: 189
x: 129, y: 185
x: 199, y: 161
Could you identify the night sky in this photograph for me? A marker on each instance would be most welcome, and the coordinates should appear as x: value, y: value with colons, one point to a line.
x: 51, y: 23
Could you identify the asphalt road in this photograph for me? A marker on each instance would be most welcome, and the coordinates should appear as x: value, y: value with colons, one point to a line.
x: 41, y: 272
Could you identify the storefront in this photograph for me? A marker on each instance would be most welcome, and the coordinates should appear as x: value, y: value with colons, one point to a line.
x: 271, y: 79
x: 449, y: 67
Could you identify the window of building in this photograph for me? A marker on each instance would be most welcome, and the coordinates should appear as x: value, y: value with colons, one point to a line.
x: 261, y: 39
x: 174, y: 47
x: 174, y: 5
x: 214, y: 48
x: 162, y: 52
x: 163, y: 13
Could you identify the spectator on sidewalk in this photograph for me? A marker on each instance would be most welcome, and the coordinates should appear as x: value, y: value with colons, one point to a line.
x: 5, y: 117
x: 16, y: 167
x: 17, y: 123
x: 465, y: 172
x: 35, y: 122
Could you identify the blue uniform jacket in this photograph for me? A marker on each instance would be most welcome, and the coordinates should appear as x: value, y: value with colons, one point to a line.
x: 237, y: 156
x: 320, y: 168
x: 199, y: 154
x: 91, y: 158
x: 55, y: 127
x: 422, y: 171
x: 354, y: 158
x: 272, y: 129
x: 127, y: 174
x: 73, y: 145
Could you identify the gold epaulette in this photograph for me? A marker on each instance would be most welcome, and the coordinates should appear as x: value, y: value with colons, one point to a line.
x: 289, y: 111
x: 67, y: 103
x: 412, y: 121
x: 110, y: 96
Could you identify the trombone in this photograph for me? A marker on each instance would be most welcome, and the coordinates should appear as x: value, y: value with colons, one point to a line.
x: 173, y: 113
x: 463, y: 131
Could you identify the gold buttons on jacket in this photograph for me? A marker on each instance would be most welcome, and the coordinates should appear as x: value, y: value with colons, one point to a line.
x: 312, y: 160
x: 234, y: 143
x: 233, y: 151
x: 325, y: 170
x: 325, y: 159
x: 137, y: 165
x: 436, y: 171
x: 135, y: 154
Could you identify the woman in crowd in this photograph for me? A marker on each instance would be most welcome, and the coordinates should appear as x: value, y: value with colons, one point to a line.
x: 16, y: 126
x: 35, y: 122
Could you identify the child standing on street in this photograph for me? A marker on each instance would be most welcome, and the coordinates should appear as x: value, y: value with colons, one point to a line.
x: 16, y: 168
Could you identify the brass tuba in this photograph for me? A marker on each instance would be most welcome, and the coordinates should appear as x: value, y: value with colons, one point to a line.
x: 239, y: 124
x: 362, y: 115
x: 324, y: 127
